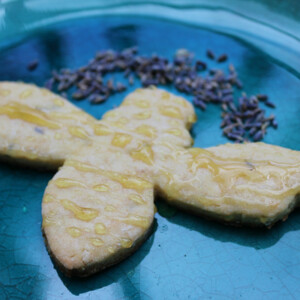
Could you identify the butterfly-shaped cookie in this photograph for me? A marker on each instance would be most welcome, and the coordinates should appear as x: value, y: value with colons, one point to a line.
x: 99, y: 207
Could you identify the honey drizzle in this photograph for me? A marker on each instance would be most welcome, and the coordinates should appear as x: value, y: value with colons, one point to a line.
x: 64, y: 183
x: 23, y: 112
x: 226, y: 171
x: 138, y: 221
x: 81, y: 213
x: 127, y: 181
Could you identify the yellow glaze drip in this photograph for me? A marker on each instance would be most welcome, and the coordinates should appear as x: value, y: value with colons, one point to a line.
x: 4, y: 92
x: 25, y: 94
x: 165, y: 95
x: 167, y: 175
x: 120, y: 123
x: 192, y: 119
x: 67, y: 183
x: 205, y: 163
x: 170, y: 111
x: 142, y: 103
x: 100, y: 229
x: 23, y: 112
x: 121, y: 140
x: 101, y: 129
x: 58, y: 102
x: 49, y: 221
x: 48, y: 198
x: 78, y: 132
x: 198, y: 151
x: 143, y: 115
x: 144, y: 154
x: 74, y: 232
x: 21, y: 154
x: 227, y: 173
x: 97, y: 242
x: 147, y: 130
x: 81, y: 213
x: 127, y: 181
x: 111, y: 250
x: 101, y: 188
x: 126, y: 243
x: 83, y: 117
x: 174, y: 131
x: 137, y: 221
x: 136, y: 198
x: 80, y: 166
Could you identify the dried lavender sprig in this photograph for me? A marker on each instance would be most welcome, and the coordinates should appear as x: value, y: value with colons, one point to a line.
x: 250, y: 117
x: 33, y: 65
x: 247, y: 117
x: 222, y: 58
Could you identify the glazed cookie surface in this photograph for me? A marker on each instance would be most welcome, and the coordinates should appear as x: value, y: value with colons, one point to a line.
x: 253, y: 184
x: 38, y: 127
x: 101, y: 204
x: 101, y: 201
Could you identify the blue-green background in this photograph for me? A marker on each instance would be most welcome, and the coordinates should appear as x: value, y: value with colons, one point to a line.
x: 186, y: 257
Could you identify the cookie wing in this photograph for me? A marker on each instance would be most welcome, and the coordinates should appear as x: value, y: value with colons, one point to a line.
x: 154, y: 115
x: 97, y: 210
x: 38, y: 127
x: 253, y: 184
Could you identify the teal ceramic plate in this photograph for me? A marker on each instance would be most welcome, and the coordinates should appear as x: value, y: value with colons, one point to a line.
x: 186, y: 257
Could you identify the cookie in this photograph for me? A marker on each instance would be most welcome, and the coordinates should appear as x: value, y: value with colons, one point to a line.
x: 100, y: 203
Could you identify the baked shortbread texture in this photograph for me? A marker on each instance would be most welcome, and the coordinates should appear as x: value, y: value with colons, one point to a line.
x: 38, y: 127
x: 99, y: 207
x: 251, y: 184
